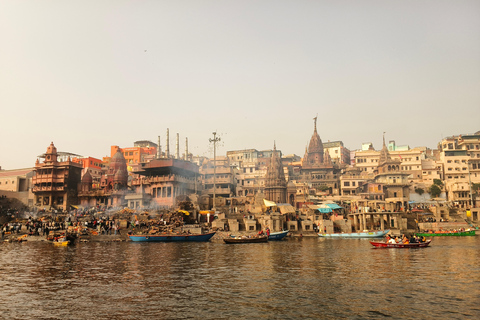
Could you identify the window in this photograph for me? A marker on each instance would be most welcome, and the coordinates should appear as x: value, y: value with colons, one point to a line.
x: 353, y: 183
x: 346, y: 184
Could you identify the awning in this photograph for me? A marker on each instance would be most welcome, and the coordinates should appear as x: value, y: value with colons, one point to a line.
x: 286, y: 208
x: 334, y: 206
x: 323, y: 208
x: 269, y: 203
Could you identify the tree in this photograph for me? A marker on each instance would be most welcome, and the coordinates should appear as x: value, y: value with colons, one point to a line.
x: 475, y: 187
x: 435, y: 191
x: 420, y: 191
x: 438, y: 182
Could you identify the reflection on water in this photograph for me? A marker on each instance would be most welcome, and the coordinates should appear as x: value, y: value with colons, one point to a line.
x: 295, y: 279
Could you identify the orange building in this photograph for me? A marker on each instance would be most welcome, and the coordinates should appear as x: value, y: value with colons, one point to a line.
x: 134, y: 155
x: 93, y: 166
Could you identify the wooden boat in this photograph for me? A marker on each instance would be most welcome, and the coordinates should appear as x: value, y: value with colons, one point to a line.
x: 365, y: 234
x: 401, y: 245
x: 446, y: 233
x: 61, y: 243
x: 278, y: 235
x: 246, y: 240
x: 182, y: 237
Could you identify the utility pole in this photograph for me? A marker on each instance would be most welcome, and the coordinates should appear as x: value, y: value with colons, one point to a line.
x: 214, y: 140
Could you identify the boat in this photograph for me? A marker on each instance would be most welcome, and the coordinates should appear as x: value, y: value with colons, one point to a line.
x: 401, y: 245
x: 246, y: 239
x: 446, y: 233
x: 365, y: 234
x: 181, y: 237
x: 278, y: 235
x: 61, y: 243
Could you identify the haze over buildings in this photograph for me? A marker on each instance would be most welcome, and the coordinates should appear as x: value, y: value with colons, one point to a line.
x: 89, y: 75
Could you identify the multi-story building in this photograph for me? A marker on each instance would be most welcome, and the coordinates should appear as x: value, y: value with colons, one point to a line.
x: 218, y: 172
x: 250, y: 169
x: 17, y: 184
x: 166, y: 179
x: 338, y: 153
x: 411, y: 159
x: 55, y: 183
x: 351, y: 181
x: 93, y: 166
x: 460, y: 156
x: 135, y: 154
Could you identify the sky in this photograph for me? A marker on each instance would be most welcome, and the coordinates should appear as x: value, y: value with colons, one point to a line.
x: 87, y: 75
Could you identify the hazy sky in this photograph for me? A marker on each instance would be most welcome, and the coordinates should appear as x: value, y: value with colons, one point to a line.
x: 91, y: 74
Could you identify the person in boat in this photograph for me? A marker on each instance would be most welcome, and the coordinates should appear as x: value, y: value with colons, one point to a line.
x: 405, y: 240
x: 392, y: 240
x: 413, y: 239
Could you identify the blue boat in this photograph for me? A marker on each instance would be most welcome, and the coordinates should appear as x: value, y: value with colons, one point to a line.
x: 278, y: 235
x: 365, y: 234
x: 172, y: 237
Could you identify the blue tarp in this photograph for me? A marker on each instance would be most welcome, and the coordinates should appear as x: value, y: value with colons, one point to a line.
x: 325, y: 210
x: 334, y: 206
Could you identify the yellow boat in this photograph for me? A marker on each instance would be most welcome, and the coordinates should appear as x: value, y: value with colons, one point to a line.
x: 61, y: 243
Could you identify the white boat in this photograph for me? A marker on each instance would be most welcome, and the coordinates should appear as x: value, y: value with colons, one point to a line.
x: 364, y: 234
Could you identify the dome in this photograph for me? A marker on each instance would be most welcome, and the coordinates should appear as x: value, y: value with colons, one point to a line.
x: 87, y: 178
x: 121, y: 176
x: 51, y: 148
x: 315, y: 153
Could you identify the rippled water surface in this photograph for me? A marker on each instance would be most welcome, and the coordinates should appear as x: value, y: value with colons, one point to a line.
x: 306, y: 278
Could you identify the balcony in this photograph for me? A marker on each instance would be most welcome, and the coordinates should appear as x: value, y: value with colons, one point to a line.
x: 219, y: 181
x: 219, y: 191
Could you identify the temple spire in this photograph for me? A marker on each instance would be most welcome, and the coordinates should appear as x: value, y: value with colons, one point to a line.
x: 315, y: 123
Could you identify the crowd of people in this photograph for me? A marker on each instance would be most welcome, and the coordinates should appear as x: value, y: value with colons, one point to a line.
x: 403, y: 239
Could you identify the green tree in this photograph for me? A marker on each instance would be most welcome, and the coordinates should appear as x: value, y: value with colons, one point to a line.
x: 438, y: 182
x: 435, y: 190
x: 420, y: 191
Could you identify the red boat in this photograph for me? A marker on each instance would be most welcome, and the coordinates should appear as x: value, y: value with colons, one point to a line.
x: 401, y: 245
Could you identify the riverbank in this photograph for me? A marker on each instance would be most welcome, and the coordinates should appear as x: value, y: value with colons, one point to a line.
x: 219, y: 235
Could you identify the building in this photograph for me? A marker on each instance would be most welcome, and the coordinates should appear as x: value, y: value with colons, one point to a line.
x: 93, y: 166
x: 218, y: 175
x: 112, y: 187
x: 250, y: 167
x: 317, y: 168
x: 17, y: 184
x: 394, y: 180
x: 164, y: 180
x: 338, y: 153
x: 275, y: 183
x: 136, y: 154
x: 55, y: 181
x: 460, y: 156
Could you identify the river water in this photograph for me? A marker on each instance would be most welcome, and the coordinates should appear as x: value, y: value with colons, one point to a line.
x: 300, y: 278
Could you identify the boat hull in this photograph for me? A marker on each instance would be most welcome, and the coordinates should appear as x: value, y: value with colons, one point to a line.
x: 246, y: 240
x: 172, y: 238
x: 371, y: 234
x: 401, y: 245
x: 61, y: 243
x: 446, y: 234
x: 277, y: 235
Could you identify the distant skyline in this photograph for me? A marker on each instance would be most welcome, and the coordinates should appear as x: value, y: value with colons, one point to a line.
x: 91, y: 74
